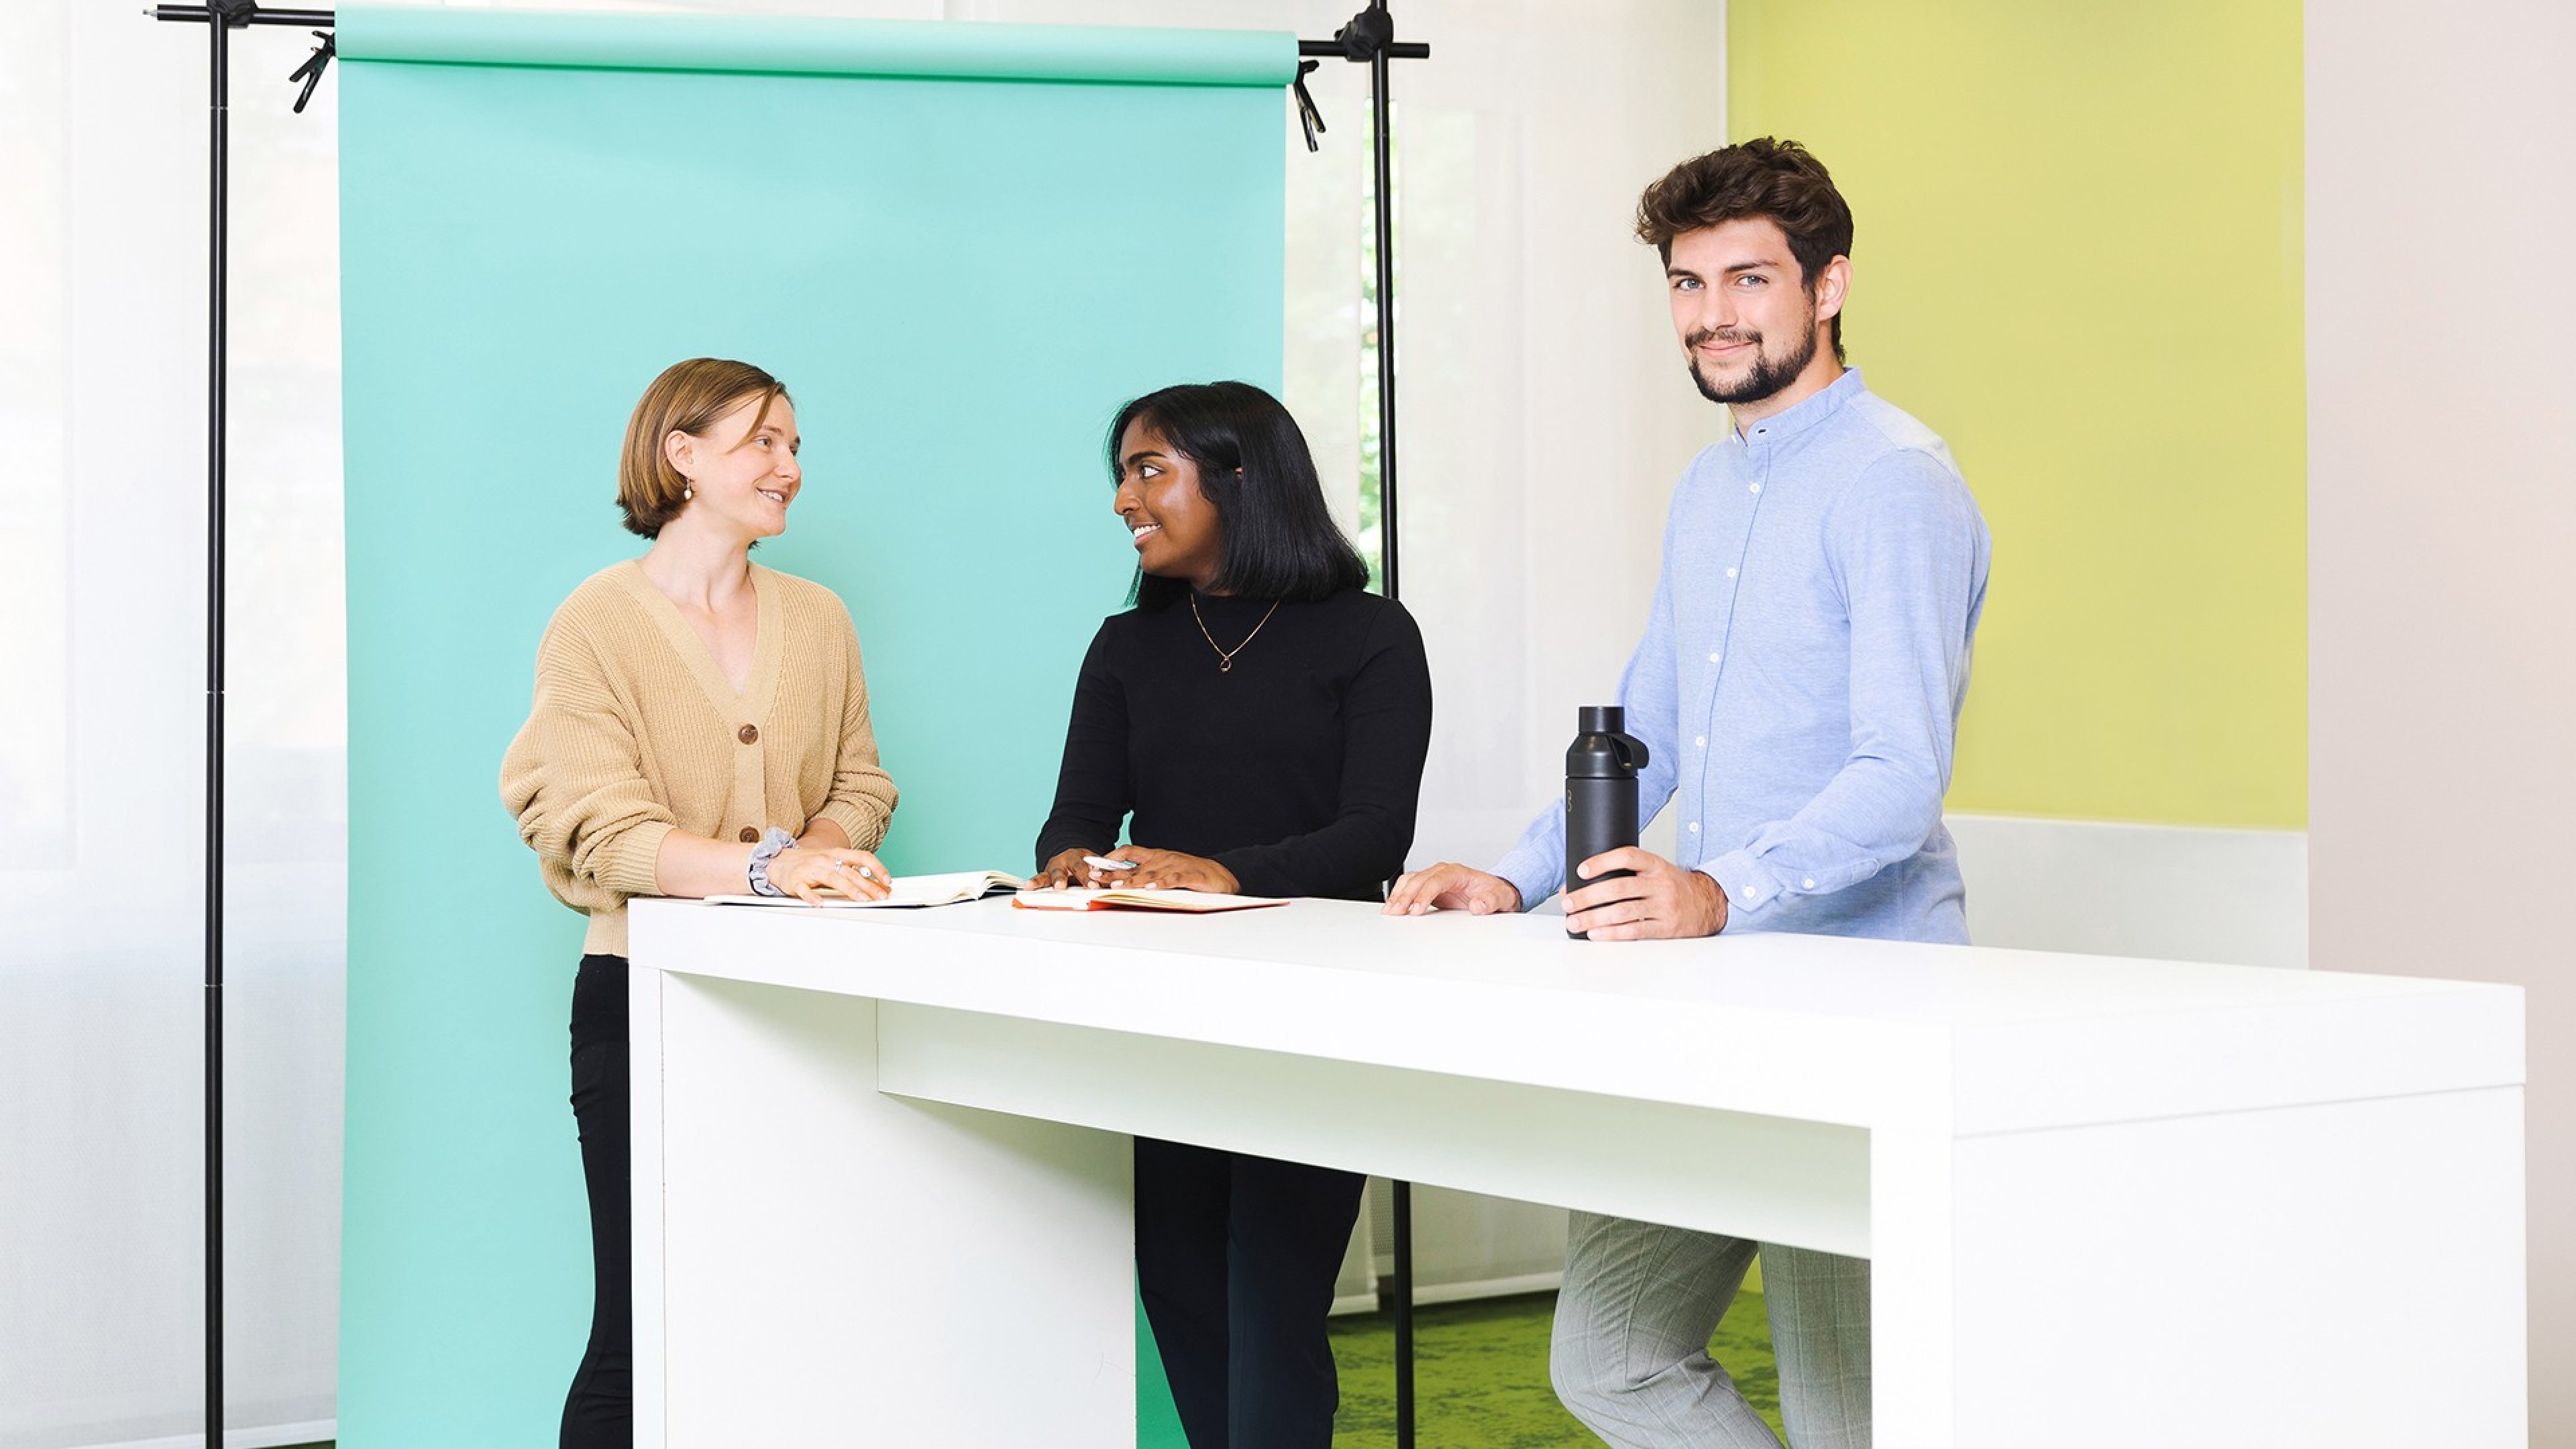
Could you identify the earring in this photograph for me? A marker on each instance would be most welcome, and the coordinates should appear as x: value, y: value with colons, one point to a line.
x: 688, y: 490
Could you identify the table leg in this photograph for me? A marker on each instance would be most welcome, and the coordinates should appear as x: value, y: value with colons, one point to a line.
x: 2346, y: 1275
x: 816, y: 1263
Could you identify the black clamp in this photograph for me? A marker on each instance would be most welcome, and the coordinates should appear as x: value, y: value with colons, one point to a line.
x: 1364, y: 39
x: 1370, y: 32
x: 1369, y: 39
x: 310, y: 72
x: 1308, y: 118
x: 232, y: 14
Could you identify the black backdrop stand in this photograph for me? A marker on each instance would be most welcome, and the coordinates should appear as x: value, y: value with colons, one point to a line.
x: 221, y: 19
x: 1370, y: 39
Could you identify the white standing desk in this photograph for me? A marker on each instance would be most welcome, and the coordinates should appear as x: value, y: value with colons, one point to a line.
x: 882, y: 1176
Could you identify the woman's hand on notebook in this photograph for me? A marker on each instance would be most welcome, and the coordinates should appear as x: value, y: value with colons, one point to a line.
x: 806, y: 874
x: 1066, y: 869
x: 1173, y: 871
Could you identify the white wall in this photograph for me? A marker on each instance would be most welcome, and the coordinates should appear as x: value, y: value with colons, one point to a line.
x: 2164, y: 892
x: 2442, y: 527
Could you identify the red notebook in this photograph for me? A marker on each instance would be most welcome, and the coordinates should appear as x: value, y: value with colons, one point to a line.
x: 1138, y: 899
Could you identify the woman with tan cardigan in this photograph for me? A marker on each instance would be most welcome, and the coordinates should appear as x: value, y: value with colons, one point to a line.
x: 700, y: 728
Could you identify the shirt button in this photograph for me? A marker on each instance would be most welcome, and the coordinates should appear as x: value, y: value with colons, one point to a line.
x: 1694, y: 827
x: 1702, y: 742
x: 748, y: 734
x: 749, y: 836
x: 1757, y: 487
x: 1730, y: 573
x: 1810, y: 884
x: 1715, y: 657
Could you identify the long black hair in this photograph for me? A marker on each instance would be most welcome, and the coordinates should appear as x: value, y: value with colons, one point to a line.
x: 1255, y: 470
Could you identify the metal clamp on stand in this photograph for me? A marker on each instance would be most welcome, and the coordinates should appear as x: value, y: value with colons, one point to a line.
x: 310, y: 72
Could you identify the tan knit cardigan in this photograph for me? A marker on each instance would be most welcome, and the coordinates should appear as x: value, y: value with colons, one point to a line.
x: 635, y: 733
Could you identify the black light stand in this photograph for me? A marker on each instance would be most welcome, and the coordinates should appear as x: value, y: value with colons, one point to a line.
x: 221, y: 18
x: 1370, y: 39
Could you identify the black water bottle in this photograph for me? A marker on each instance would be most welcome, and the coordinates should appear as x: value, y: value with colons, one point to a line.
x: 1600, y: 791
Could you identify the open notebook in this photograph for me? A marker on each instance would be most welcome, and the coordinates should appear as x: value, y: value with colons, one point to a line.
x: 909, y: 890
x: 1139, y: 899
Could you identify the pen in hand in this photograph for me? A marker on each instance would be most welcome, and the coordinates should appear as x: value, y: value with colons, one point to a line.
x: 1105, y: 865
x: 1074, y: 867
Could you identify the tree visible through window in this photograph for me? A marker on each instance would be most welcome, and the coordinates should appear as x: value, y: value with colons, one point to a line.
x: 1371, y: 527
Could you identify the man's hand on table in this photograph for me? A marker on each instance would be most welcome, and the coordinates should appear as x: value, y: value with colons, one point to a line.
x: 1449, y: 886
x: 1661, y: 901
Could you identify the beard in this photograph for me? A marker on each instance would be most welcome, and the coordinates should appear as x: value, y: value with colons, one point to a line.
x: 1771, y: 371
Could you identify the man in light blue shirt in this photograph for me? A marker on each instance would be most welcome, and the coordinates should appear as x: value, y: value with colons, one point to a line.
x: 1798, y: 689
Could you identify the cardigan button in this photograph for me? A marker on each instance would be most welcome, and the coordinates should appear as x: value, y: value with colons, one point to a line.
x: 749, y: 836
x: 748, y: 734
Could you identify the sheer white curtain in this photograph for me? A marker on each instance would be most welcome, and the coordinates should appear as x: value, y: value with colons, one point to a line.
x: 102, y: 308
x: 1544, y: 419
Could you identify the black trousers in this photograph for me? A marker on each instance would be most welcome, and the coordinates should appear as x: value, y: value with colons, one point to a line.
x: 1235, y: 1259
x: 599, y: 1412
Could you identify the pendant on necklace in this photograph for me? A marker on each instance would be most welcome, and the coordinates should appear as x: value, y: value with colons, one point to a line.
x: 1225, y: 666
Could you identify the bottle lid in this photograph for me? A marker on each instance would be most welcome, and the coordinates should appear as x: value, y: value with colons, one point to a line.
x: 1603, y: 749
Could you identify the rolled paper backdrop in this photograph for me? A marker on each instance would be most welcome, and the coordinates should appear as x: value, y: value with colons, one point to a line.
x: 778, y: 45
x: 961, y: 246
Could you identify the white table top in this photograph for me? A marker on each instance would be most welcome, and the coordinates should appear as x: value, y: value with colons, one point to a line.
x: 1958, y: 1039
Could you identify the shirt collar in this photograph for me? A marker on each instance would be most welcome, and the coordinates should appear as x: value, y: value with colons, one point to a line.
x: 1781, y: 427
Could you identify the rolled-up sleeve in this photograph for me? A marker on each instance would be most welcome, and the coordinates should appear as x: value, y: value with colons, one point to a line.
x: 1907, y: 549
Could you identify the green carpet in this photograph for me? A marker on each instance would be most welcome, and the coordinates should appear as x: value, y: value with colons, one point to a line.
x: 1480, y: 1375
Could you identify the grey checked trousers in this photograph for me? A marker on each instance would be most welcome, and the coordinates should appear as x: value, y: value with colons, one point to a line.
x: 1630, y: 1357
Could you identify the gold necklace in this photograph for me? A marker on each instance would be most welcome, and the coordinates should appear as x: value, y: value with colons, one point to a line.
x: 1225, y: 657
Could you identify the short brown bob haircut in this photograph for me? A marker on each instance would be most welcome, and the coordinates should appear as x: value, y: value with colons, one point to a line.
x: 1768, y: 178
x: 688, y: 397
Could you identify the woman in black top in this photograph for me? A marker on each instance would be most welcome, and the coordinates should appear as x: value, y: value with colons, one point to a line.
x: 1263, y: 720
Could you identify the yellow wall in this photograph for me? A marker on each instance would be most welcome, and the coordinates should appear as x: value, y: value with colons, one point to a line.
x: 2078, y: 257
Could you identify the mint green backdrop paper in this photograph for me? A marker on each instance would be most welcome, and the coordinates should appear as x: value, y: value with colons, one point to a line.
x: 961, y: 246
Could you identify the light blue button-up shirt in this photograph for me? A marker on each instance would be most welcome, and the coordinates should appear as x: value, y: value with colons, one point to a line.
x: 1799, y: 684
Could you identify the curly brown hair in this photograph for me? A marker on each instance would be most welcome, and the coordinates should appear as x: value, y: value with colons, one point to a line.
x: 1777, y: 180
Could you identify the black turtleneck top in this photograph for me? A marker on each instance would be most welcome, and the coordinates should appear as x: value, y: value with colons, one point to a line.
x: 1298, y: 769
